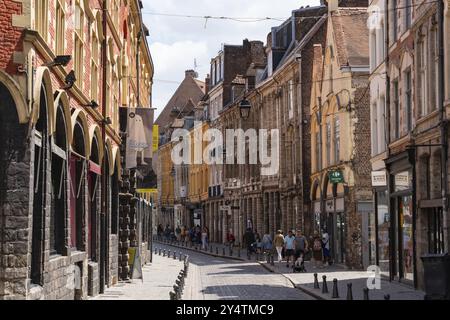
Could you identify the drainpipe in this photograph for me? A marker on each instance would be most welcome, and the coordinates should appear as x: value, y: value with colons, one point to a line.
x: 443, y: 125
x: 104, y: 172
x: 300, y: 132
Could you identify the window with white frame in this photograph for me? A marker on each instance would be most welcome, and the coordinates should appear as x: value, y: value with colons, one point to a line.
x: 408, y: 99
x: 374, y: 128
x: 291, y: 99
x: 41, y: 17
x: 60, y: 27
x: 337, y: 140
x: 78, y: 42
x: 422, y: 76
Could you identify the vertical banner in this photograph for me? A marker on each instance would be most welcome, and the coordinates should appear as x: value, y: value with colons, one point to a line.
x: 155, y: 138
x: 139, y: 138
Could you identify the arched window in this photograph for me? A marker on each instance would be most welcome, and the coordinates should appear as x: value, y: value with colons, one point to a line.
x: 40, y: 189
x: 94, y: 184
x: 77, y: 185
x: 58, y: 207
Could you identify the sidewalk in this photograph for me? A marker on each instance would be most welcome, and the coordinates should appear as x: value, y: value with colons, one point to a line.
x: 159, y: 278
x: 305, y: 281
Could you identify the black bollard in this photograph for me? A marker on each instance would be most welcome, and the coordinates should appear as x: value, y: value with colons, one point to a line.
x: 223, y: 251
x: 168, y: 254
x: 316, y: 282
x: 174, y: 255
x: 324, y: 286
x: 272, y: 262
x: 180, y: 255
x: 172, y: 295
x: 387, y: 297
x: 335, y: 294
x: 159, y: 251
x: 349, y: 291
x: 366, y: 294
x: 239, y: 252
x: 217, y: 251
x: 164, y: 253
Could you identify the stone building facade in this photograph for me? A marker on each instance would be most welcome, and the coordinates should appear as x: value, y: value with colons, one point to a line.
x: 340, y: 133
x: 59, y: 150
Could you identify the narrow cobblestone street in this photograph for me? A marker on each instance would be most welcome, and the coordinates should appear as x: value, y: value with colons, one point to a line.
x: 209, y: 278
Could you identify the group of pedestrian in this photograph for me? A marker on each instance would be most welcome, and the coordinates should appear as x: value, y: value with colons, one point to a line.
x: 293, y: 246
x: 255, y: 243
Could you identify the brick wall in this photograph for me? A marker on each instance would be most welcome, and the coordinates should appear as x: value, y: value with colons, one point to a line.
x: 9, y: 35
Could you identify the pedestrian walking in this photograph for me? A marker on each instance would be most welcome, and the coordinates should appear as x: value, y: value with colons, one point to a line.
x: 289, y: 245
x: 249, y: 240
x: 279, y: 243
x: 267, y: 243
x: 326, y: 248
x: 317, y: 255
x: 204, y: 238
x: 178, y: 233
x: 230, y: 239
x: 300, y: 245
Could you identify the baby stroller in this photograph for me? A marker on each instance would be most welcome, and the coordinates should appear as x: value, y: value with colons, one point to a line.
x: 299, y: 265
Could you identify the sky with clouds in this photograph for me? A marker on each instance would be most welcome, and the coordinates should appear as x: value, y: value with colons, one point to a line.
x: 176, y: 42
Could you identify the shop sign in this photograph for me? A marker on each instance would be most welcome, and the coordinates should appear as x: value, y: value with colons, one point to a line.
x: 403, y: 181
x: 336, y: 176
x: 379, y: 179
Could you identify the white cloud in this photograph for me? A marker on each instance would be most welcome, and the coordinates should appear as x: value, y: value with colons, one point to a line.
x: 176, y: 42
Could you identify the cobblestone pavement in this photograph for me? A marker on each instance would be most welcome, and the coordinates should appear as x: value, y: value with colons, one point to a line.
x: 215, y: 278
x: 158, y: 280
x: 305, y: 281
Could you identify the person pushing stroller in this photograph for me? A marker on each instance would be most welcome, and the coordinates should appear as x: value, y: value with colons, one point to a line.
x: 300, y: 249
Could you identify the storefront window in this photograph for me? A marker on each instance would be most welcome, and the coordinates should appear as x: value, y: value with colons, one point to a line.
x: 405, y: 217
x: 435, y: 231
x: 383, y: 231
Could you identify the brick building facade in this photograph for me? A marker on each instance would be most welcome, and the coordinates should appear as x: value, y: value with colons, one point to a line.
x: 59, y: 150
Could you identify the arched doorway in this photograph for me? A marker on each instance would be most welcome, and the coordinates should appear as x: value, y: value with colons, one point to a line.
x: 14, y: 172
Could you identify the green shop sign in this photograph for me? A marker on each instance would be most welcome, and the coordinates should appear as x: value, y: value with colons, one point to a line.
x: 336, y: 176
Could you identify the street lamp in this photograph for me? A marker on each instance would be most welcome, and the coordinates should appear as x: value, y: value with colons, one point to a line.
x: 244, y: 107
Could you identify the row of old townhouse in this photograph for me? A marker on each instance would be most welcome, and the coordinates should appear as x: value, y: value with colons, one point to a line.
x: 410, y: 52
x: 357, y: 92
x: 69, y: 211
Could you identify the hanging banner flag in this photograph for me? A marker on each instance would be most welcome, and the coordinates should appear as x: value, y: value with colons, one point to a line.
x: 139, y: 139
x: 155, y: 138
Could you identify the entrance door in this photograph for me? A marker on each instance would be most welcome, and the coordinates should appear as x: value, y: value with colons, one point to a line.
x: 336, y: 227
x: 403, y: 258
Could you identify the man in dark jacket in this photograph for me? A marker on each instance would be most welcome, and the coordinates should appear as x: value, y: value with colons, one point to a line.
x: 249, y: 240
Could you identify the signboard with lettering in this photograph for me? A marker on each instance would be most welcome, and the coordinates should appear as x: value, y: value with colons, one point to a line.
x: 336, y: 176
x: 379, y: 178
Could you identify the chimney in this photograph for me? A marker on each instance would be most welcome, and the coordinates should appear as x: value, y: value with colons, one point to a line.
x: 207, y: 83
x: 191, y: 73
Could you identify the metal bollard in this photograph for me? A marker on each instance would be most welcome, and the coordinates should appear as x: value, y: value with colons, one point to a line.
x: 366, y: 293
x: 168, y: 254
x: 349, y: 291
x: 174, y: 255
x: 223, y: 251
x: 217, y: 251
x: 172, y: 296
x: 316, y: 282
x: 335, y: 294
x: 164, y: 253
x: 239, y: 252
x: 387, y: 297
x: 272, y: 263
x: 159, y: 251
x: 180, y: 255
x: 324, y: 286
